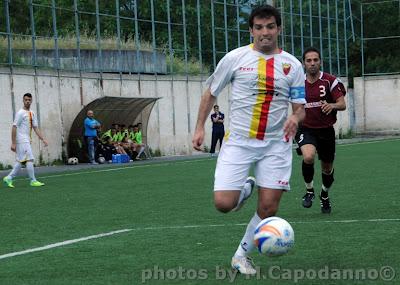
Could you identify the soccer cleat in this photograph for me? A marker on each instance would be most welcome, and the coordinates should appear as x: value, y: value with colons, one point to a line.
x: 252, y: 181
x: 8, y: 182
x: 36, y: 183
x: 244, y: 265
x: 325, y: 205
x: 308, y: 199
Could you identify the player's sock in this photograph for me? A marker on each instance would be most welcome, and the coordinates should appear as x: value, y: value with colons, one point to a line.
x: 31, y: 171
x: 15, y: 170
x: 327, y: 180
x: 247, y: 244
x: 246, y: 192
x: 324, y: 194
x: 308, y: 174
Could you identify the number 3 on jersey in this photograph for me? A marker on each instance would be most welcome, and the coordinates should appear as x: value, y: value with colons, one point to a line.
x: 322, y: 91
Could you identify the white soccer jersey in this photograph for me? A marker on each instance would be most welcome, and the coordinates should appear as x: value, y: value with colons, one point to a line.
x: 262, y: 87
x: 25, y: 121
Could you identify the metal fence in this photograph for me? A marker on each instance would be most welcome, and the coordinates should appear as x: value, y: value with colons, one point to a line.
x: 380, y: 37
x: 322, y: 24
x: 160, y: 36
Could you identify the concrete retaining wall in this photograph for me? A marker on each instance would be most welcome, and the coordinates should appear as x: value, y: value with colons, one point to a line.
x: 373, y: 107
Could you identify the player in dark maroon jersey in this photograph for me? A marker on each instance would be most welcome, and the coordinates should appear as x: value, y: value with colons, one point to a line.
x: 325, y: 96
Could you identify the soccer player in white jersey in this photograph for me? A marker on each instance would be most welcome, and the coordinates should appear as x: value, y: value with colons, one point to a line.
x: 264, y: 81
x: 21, y: 136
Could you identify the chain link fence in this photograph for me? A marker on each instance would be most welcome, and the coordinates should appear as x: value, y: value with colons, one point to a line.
x: 185, y: 37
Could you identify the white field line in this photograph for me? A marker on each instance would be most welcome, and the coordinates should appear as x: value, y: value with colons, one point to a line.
x: 66, y: 242
x: 120, y: 168
x: 72, y: 241
x: 367, y: 142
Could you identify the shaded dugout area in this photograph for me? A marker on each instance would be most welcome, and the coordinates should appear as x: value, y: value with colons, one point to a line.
x: 109, y: 110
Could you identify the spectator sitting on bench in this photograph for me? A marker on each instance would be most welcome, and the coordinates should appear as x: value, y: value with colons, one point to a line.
x: 115, y: 137
x: 107, y: 148
x: 117, y: 141
x: 129, y: 146
x: 137, y: 129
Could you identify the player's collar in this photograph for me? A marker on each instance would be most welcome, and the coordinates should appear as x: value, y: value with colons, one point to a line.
x: 272, y: 54
x: 320, y: 77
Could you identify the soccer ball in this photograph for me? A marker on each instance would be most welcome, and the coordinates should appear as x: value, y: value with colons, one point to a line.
x: 73, y: 160
x: 101, y: 160
x: 274, y: 236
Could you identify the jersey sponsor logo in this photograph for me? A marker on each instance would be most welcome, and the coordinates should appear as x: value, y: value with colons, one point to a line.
x: 286, y: 68
x: 243, y: 68
x: 313, y: 104
x: 265, y: 78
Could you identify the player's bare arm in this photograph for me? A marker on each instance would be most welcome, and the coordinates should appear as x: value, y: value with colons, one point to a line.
x: 206, y: 104
x: 39, y: 134
x: 14, y: 139
x: 339, y: 105
x: 292, y: 123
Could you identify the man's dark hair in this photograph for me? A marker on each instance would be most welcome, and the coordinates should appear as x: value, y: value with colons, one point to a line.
x: 27, y: 95
x: 311, y: 49
x: 265, y: 11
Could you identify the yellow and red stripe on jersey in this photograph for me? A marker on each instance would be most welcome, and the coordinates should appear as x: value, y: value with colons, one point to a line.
x: 30, y: 124
x: 264, y: 97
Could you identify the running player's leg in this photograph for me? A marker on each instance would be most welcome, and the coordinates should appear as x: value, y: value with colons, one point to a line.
x: 327, y: 181
x: 306, y: 140
x: 8, y: 180
x: 326, y: 153
x: 268, y: 204
x: 273, y: 174
x: 232, y: 185
x: 29, y: 159
x: 21, y: 157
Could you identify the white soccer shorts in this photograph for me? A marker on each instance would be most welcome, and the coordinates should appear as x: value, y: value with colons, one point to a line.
x: 24, y: 152
x: 272, y: 163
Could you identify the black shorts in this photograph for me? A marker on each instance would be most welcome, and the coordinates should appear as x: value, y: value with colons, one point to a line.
x: 323, y: 139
